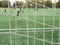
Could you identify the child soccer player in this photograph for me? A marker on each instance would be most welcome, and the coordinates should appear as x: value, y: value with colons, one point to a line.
x: 17, y: 13
x: 5, y: 11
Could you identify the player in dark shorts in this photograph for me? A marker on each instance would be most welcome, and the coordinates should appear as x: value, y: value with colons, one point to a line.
x: 18, y: 13
x: 5, y: 11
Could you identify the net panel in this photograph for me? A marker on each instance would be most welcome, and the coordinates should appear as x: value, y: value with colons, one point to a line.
x: 24, y: 25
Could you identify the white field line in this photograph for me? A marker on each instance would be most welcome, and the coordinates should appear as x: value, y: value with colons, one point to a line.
x: 37, y: 38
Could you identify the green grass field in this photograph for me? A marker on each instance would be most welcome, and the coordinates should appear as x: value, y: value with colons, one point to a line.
x: 44, y: 21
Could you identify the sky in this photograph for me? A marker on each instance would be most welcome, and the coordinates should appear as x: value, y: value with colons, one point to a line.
x: 25, y: 0
x: 17, y: 0
x: 54, y: 0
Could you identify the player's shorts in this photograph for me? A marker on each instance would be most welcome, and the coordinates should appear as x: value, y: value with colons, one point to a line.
x: 18, y: 14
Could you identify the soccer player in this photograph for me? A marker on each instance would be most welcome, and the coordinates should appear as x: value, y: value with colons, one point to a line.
x: 18, y: 13
x: 5, y: 11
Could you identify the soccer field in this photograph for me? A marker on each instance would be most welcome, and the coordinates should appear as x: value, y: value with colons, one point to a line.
x: 30, y: 27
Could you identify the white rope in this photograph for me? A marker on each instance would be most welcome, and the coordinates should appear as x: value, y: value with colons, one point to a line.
x: 53, y: 22
x: 59, y: 32
x: 37, y: 38
x: 26, y: 28
x: 10, y: 25
x: 43, y: 23
x: 27, y: 23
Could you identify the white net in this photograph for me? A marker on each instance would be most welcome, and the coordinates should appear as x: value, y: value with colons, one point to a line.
x: 30, y: 23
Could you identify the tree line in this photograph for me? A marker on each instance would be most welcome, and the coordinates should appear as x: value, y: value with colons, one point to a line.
x: 32, y: 4
x: 4, y: 4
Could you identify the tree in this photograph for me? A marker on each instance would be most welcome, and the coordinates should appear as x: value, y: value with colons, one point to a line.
x: 14, y: 4
x: 48, y: 4
x: 4, y: 4
x: 0, y: 3
x: 5, y: 0
x: 58, y: 4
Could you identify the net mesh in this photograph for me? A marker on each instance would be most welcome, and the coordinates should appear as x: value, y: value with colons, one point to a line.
x: 32, y: 26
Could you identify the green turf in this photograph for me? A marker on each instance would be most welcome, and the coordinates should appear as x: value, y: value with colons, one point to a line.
x: 21, y: 37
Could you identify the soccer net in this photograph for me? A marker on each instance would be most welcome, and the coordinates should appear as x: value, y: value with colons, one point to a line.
x: 29, y: 22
